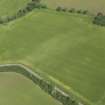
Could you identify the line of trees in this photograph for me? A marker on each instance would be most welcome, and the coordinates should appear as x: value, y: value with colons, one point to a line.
x: 72, y: 10
x: 21, y: 12
x: 99, y: 19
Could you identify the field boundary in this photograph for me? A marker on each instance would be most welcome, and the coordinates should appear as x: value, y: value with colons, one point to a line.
x: 45, y: 85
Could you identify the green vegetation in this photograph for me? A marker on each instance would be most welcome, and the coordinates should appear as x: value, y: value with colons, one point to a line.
x: 22, y: 12
x: 66, y: 47
x: 8, y: 7
x: 18, y: 90
x: 45, y: 84
x: 62, y: 45
x: 92, y: 6
x: 72, y: 10
x: 99, y: 19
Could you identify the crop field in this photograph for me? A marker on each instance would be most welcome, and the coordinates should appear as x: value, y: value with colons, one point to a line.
x: 67, y: 47
x: 18, y: 90
x: 9, y: 7
x: 91, y: 5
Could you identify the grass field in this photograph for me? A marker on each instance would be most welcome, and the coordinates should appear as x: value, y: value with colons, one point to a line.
x: 91, y: 5
x: 67, y: 47
x: 18, y: 90
x: 9, y: 7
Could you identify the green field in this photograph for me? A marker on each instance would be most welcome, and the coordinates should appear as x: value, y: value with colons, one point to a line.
x: 67, y: 47
x: 91, y: 5
x: 9, y: 7
x: 18, y: 90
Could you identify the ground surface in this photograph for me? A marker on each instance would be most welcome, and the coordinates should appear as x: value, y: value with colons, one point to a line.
x: 9, y: 7
x: 68, y: 47
x: 18, y: 90
x: 91, y: 5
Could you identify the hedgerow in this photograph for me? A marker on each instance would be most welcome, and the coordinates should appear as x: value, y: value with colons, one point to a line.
x: 72, y: 10
x: 44, y: 84
x: 22, y: 12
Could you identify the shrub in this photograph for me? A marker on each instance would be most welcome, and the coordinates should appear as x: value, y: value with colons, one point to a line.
x: 99, y: 19
x: 85, y: 12
x: 99, y: 14
x: 1, y: 20
x: 20, y: 13
x: 31, y: 5
x: 36, y: 1
x: 64, y: 9
x: 82, y: 11
x: 79, y: 11
x: 72, y: 10
x: 59, y: 8
x: 43, y: 6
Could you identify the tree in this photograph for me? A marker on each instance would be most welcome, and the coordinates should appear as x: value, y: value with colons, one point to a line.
x: 20, y: 13
x: 29, y: 7
x: 1, y: 20
x: 64, y: 9
x: 99, y: 14
x: 99, y: 19
x: 72, y: 10
x: 43, y: 6
x: 79, y: 11
x: 59, y: 8
x: 85, y: 12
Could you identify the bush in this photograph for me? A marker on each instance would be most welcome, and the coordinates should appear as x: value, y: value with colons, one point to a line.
x: 99, y: 19
x: 1, y: 21
x: 59, y: 8
x: 82, y: 12
x: 29, y: 7
x: 36, y: 1
x: 64, y: 9
x: 20, y: 13
x: 85, y: 12
x: 43, y: 6
x: 72, y: 10
x: 79, y: 11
